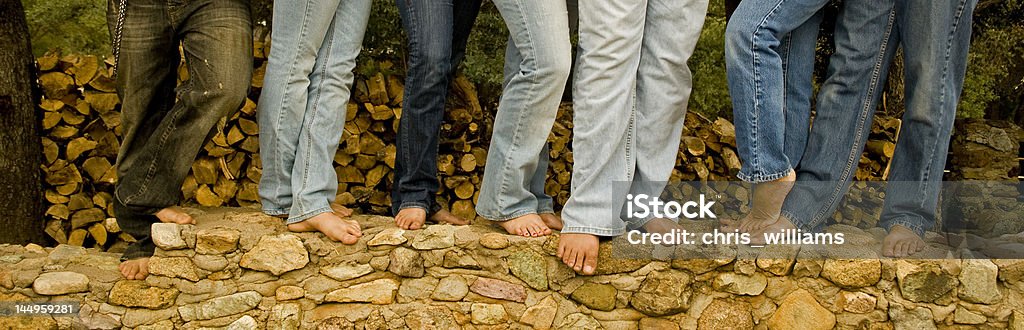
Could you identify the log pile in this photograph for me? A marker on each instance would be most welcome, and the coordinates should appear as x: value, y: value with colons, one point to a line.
x: 80, y: 117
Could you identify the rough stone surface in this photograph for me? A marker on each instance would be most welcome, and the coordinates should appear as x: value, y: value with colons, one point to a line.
x: 750, y: 285
x: 58, y: 283
x: 924, y: 282
x: 964, y: 316
x: 541, y: 315
x: 856, y: 302
x: 139, y: 294
x: 451, y: 288
x: 498, y: 289
x: 346, y: 271
x: 494, y: 241
x: 530, y: 267
x: 911, y: 318
x: 852, y: 273
x: 663, y: 293
x: 181, y: 267
x: 276, y: 254
x: 488, y: 314
x: 167, y: 236
x: 217, y: 240
x: 379, y: 292
x: 726, y: 315
x: 435, y: 237
x: 288, y: 292
x: 978, y: 281
x: 406, y: 262
x: 390, y: 236
x: 595, y: 296
x: 799, y: 310
x: 221, y: 306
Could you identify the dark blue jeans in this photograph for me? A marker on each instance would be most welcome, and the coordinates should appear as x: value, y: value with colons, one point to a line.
x: 438, y: 31
x: 935, y: 36
x: 162, y: 136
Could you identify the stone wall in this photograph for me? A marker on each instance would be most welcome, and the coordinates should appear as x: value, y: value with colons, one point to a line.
x: 239, y: 269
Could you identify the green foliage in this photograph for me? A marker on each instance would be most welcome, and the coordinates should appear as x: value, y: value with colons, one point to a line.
x: 994, y: 84
x: 78, y: 26
x: 710, y: 96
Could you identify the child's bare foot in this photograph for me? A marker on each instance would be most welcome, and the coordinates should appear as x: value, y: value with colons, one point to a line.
x: 174, y: 214
x: 443, y: 216
x: 579, y: 252
x: 530, y: 225
x: 328, y: 223
x: 411, y: 218
x: 780, y: 225
x: 553, y: 221
x: 341, y: 210
x: 767, y: 203
x: 901, y: 242
x: 135, y: 269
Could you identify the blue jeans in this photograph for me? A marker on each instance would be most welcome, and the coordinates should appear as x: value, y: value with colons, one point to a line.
x: 630, y: 94
x: 438, y: 31
x: 935, y: 35
x: 769, y: 51
x: 537, y: 64
x: 162, y: 135
x: 308, y: 82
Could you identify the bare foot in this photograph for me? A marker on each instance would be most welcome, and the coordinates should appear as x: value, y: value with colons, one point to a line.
x: 443, y: 216
x: 728, y: 225
x: 901, y: 242
x: 341, y: 210
x: 328, y: 223
x: 135, y: 269
x: 174, y: 214
x: 780, y: 225
x: 767, y: 203
x: 579, y: 252
x: 530, y: 225
x: 552, y: 220
x: 411, y: 218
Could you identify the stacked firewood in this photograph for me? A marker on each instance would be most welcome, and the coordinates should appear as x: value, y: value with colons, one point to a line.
x: 80, y: 117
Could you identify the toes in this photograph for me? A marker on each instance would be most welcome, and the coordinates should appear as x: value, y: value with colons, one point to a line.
x: 349, y: 239
x: 578, y: 258
x: 590, y: 262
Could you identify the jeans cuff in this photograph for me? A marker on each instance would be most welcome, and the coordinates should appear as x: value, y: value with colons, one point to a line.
x: 913, y: 225
x: 510, y: 216
x: 761, y: 178
x: 593, y: 231
x: 307, y: 215
x: 545, y: 210
x: 418, y: 205
x: 275, y: 212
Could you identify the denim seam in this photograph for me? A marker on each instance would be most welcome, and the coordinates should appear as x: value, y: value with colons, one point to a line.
x: 761, y: 178
x: 418, y: 205
x: 906, y: 222
x: 593, y: 230
x: 854, y: 156
x: 755, y: 64
x: 275, y: 211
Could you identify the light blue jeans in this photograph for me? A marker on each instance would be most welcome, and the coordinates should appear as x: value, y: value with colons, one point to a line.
x: 537, y: 64
x: 630, y: 93
x: 935, y: 36
x: 314, y: 44
x: 769, y: 51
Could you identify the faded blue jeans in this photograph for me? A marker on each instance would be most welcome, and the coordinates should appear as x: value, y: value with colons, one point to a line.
x: 935, y: 36
x: 165, y: 125
x: 630, y: 93
x: 769, y: 51
x: 438, y: 32
x: 314, y: 44
x: 537, y: 64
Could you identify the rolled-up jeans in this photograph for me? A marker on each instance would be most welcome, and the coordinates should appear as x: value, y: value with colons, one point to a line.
x: 630, y: 93
x: 314, y: 44
x: 537, y: 64
x: 769, y: 51
x: 935, y: 36
x: 438, y: 31
x: 161, y: 136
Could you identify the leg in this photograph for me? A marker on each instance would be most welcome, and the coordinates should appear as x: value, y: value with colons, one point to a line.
x: 540, y: 31
x: 313, y: 178
x: 865, y: 46
x: 611, y: 33
x: 936, y: 48
x: 300, y: 29
x: 664, y: 83
x: 145, y: 83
